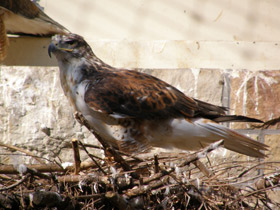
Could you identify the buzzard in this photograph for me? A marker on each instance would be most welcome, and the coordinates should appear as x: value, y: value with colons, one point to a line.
x: 24, y: 17
x: 134, y: 111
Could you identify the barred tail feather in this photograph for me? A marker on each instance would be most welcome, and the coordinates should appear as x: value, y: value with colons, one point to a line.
x: 235, y: 141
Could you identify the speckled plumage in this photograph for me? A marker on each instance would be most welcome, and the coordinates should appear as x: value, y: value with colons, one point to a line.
x: 134, y: 111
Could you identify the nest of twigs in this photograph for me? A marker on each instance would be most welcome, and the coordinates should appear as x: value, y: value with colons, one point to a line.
x: 120, y: 181
x: 165, y: 181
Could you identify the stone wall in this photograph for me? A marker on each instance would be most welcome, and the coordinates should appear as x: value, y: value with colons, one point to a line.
x: 35, y: 114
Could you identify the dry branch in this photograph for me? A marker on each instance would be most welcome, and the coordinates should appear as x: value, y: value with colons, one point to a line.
x: 269, y: 181
x: 23, y: 151
x: 156, y: 163
x: 16, y: 184
x: 76, y: 152
x: 179, y: 187
x: 196, y: 156
x: 120, y: 152
x: 92, y: 158
x: 157, y: 176
x: 10, y: 169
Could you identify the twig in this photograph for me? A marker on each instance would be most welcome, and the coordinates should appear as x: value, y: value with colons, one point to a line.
x: 77, y: 159
x: 10, y: 169
x: 144, y: 189
x: 78, y: 178
x: 266, y: 182
x: 240, y: 182
x: 157, y: 176
x: 34, y: 172
x: 21, y: 197
x: 254, y: 166
x: 121, y: 152
x: 5, y: 177
x: 23, y: 151
x: 83, y: 145
x: 202, y: 168
x: 156, y: 163
x: 202, y: 153
x: 16, y: 184
x: 96, y: 163
x: 252, y: 193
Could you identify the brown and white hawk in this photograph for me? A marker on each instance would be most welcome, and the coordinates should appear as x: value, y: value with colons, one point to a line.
x: 24, y: 17
x: 135, y: 111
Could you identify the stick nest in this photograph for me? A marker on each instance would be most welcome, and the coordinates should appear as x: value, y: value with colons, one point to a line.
x: 163, y: 181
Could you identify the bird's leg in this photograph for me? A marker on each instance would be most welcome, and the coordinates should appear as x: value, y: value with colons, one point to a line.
x: 107, y: 148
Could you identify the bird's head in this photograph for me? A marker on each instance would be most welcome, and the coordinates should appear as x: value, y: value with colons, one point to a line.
x: 69, y: 46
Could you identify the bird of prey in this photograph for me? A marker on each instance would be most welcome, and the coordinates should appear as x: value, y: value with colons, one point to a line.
x: 135, y: 111
x: 24, y: 17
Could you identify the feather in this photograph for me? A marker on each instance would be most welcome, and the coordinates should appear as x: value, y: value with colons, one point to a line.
x: 235, y: 141
x: 134, y: 110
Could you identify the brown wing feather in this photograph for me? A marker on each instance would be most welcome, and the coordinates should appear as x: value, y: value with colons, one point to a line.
x: 125, y: 93
x: 218, y: 113
x: 134, y: 94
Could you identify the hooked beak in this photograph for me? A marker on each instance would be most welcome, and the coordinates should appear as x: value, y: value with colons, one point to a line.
x: 51, y: 49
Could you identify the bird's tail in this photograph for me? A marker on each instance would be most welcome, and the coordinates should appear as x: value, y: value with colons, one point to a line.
x: 235, y: 118
x: 235, y: 141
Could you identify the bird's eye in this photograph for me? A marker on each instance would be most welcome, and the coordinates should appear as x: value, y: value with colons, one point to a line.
x: 70, y: 42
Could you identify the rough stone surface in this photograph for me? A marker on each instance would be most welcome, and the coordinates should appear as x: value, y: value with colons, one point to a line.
x: 32, y: 102
x: 255, y: 94
x: 273, y: 155
x: 273, y: 141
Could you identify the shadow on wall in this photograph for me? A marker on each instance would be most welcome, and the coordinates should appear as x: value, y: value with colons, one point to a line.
x: 195, y: 20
